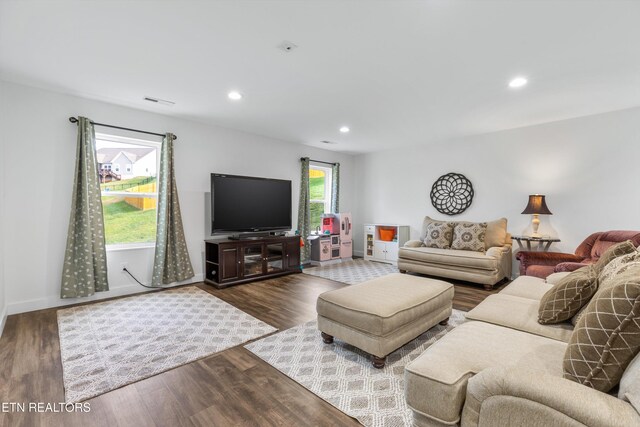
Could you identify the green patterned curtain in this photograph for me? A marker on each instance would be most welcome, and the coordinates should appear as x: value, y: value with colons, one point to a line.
x: 335, y: 188
x: 85, y: 260
x: 171, y: 262
x: 304, y: 211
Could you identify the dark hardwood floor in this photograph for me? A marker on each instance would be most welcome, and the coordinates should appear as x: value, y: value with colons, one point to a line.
x: 229, y: 388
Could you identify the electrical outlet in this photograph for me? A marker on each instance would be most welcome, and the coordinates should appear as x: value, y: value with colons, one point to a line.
x: 123, y: 266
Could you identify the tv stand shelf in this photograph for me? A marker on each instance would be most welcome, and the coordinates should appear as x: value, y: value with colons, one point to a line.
x: 231, y: 262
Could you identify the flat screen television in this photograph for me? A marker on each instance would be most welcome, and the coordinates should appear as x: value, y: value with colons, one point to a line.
x: 249, y: 204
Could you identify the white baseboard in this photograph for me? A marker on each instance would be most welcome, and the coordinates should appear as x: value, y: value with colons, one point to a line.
x: 3, y: 319
x: 56, y: 301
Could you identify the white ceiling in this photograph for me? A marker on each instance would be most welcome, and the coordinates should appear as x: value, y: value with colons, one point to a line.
x: 396, y: 72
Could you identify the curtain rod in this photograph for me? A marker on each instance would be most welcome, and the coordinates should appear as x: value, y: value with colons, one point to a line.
x: 75, y: 120
x: 319, y: 161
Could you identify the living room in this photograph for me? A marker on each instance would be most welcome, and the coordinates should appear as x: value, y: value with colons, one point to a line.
x: 521, y: 98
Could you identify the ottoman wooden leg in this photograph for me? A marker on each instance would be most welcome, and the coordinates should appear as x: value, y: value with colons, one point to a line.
x: 488, y: 287
x: 403, y: 271
x: 444, y: 322
x: 328, y: 339
x: 378, y: 362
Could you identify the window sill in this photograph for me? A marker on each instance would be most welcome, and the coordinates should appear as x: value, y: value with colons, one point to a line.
x: 130, y: 247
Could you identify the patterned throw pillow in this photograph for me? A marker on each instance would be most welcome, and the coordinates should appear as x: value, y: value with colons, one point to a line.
x: 606, y: 272
x: 619, y: 265
x: 607, y: 336
x: 469, y: 236
x: 568, y: 296
x: 439, y: 235
x: 612, y: 253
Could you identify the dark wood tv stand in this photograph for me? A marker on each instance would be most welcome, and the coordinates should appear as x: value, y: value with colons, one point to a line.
x: 231, y: 262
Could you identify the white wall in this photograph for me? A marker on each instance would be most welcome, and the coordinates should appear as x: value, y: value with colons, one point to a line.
x: 3, y: 301
x: 587, y: 168
x: 39, y: 136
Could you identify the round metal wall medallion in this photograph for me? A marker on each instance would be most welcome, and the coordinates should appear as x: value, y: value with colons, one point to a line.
x: 452, y: 194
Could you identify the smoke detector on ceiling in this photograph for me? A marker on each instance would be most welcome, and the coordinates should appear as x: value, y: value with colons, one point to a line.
x: 159, y: 101
x: 287, y: 46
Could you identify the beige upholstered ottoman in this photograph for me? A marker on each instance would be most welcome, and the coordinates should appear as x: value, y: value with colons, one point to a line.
x: 383, y: 314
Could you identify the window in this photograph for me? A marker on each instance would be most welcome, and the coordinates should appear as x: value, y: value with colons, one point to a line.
x: 319, y: 194
x: 129, y: 203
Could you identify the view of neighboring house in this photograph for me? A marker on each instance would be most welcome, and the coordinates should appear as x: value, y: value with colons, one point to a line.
x: 125, y: 163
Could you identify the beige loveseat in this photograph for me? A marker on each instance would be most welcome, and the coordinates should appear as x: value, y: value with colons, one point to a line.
x: 487, y: 268
x: 503, y: 368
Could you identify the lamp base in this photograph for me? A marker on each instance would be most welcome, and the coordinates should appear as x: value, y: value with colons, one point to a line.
x: 535, y: 223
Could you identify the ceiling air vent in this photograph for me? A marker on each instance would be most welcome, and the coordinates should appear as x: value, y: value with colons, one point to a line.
x: 328, y: 142
x: 159, y: 101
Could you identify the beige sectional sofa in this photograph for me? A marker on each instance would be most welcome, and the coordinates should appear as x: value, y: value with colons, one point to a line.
x: 486, y: 268
x: 503, y: 368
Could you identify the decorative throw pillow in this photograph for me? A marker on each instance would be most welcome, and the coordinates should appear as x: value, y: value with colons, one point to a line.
x: 619, y: 265
x: 614, y: 253
x: 439, y: 235
x: 496, y: 233
x: 469, y: 236
x: 568, y: 296
x: 607, y: 336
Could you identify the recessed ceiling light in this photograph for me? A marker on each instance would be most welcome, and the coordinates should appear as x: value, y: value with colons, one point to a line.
x: 517, y: 82
x: 234, y: 95
x: 344, y: 129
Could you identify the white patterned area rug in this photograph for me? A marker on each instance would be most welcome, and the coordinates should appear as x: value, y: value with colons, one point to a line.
x: 107, y: 345
x: 352, y: 272
x: 343, y: 375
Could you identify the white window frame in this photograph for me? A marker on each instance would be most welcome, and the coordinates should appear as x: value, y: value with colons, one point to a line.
x: 328, y: 177
x: 128, y: 168
x: 116, y: 166
x: 144, y: 142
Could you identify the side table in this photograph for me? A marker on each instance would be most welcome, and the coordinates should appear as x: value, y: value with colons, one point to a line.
x: 543, y: 242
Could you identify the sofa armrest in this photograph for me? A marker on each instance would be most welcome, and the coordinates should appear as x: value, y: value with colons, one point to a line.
x: 529, y: 258
x: 568, y: 267
x: 511, y: 395
x: 503, y: 255
x: 499, y: 251
x: 413, y: 244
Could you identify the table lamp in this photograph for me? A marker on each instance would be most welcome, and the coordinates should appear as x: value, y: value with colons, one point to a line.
x: 536, y: 206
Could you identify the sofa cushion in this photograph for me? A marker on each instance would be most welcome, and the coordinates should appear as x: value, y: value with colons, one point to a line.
x: 554, y: 278
x: 449, y: 257
x: 436, y: 381
x: 630, y: 383
x: 383, y: 305
x: 568, y: 296
x: 607, y: 336
x: 496, y: 233
x: 518, y: 313
x: 469, y: 236
x: 439, y: 235
x: 527, y: 287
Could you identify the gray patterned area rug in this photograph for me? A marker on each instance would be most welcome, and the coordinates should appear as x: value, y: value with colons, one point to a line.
x: 352, y: 272
x: 343, y: 375
x: 107, y: 345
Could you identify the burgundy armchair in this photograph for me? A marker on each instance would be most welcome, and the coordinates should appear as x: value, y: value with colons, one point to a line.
x: 542, y: 264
